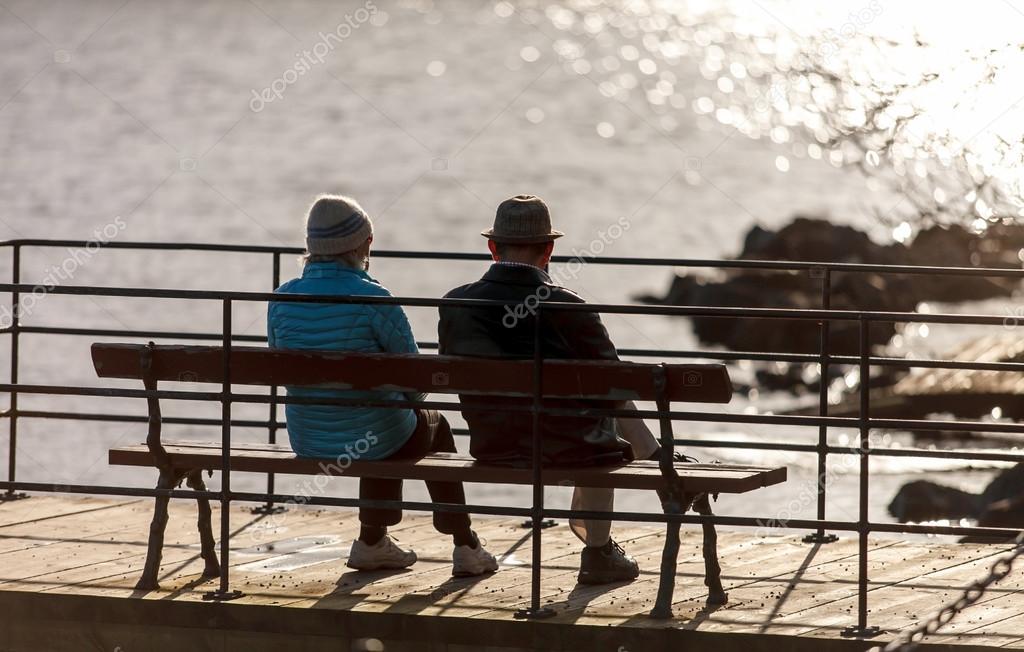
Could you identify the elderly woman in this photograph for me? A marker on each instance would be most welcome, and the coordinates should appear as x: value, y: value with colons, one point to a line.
x: 338, y: 238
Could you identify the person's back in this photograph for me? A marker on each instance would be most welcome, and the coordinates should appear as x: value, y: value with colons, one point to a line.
x: 326, y: 430
x: 508, y: 332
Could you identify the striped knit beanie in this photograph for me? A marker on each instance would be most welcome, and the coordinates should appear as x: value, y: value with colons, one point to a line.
x: 336, y: 225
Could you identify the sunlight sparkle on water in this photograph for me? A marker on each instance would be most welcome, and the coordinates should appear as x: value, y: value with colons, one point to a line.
x: 535, y: 115
x: 930, y: 93
x: 529, y: 54
x: 902, y: 232
x: 504, y: 9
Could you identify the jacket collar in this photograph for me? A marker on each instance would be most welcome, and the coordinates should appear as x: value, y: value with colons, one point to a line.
x: 517, y: 275
x: 332, y: 270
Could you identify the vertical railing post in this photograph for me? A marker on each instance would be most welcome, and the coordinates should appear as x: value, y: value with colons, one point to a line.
x: 861, y: 629
x: 537, y: 526
x: 224, y: 592
x: 12, y: 413
x: 270, y: 507
x: 823, y: 368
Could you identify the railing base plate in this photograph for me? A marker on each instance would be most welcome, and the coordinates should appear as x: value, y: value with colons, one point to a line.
x: 545, y: 524
x: 531, y: 614
x: 11, y: 496
x: 860, y: 632
x: 820, y: 537
x: 268, y: 510
x: 222, y: 596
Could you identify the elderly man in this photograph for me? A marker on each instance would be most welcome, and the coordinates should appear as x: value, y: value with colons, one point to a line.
x: 338, y: 238
x: 521, y: 243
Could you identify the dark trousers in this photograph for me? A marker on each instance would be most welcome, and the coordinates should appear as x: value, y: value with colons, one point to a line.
x: 433, y: 434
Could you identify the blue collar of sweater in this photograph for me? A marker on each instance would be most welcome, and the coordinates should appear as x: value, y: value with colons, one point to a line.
x: 332, y: 270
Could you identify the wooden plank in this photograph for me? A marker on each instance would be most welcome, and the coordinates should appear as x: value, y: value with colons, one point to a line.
x: 41, y: 508
x: 593, y: 379
x: 830, y: 611
x: 991, y: 620
x: 277, y: 448
x: 755, y: 570
x: 560, y: 592
x: 642, y: 474
x: 67, y: 527
x: 181, y: 568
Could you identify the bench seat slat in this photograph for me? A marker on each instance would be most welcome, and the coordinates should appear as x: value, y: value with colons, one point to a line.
x: 276, y: 448
x: 267, y: 458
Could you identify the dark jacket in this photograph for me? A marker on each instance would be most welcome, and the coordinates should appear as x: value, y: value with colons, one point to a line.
x: 498, y: 436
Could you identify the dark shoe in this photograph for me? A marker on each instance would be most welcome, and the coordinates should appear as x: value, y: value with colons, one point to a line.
x: 607, y: 564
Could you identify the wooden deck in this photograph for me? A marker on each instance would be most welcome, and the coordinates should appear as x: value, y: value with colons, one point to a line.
x: 67, y: 567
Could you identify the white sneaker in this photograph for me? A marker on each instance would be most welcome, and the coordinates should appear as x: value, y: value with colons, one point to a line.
x: 383, y: 554
x: 467, y: 562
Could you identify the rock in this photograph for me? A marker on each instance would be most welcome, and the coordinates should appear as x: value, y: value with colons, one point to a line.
x: 954, y: 246
x: 922, y: 500
x: 1001, y: 504
x: 1008, y: 484
x: 815, y: 239
x: 1008, y: 513
x: 811, y: 239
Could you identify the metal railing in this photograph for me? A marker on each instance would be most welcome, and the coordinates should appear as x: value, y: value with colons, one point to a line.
x: 271, y: 500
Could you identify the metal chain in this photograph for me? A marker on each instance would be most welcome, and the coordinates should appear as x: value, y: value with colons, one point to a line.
x: 909, y: 640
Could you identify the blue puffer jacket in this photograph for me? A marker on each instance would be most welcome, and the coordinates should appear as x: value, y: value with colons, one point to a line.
x: 324, y: 430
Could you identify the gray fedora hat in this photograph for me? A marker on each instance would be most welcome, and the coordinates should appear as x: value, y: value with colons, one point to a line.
x: 523, y: 219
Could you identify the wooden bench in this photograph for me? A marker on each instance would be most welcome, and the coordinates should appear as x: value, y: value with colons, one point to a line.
x: 686, y: 485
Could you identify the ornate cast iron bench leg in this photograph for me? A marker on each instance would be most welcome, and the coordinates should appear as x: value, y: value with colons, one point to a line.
x: 149, y: 581
x: 669, y: 559
x: 675, y: 501
x: 170, y: 478
x: 712, y: 569
x: 207, y: 543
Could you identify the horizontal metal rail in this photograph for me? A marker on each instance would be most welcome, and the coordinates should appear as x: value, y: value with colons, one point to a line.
x: 695, y: 354
x: 675, y: 415
x: 601, y: 308
x: 769, y: 265
x: 904, y: 451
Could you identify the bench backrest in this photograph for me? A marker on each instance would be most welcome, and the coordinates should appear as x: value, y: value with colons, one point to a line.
x: 703, y: 383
